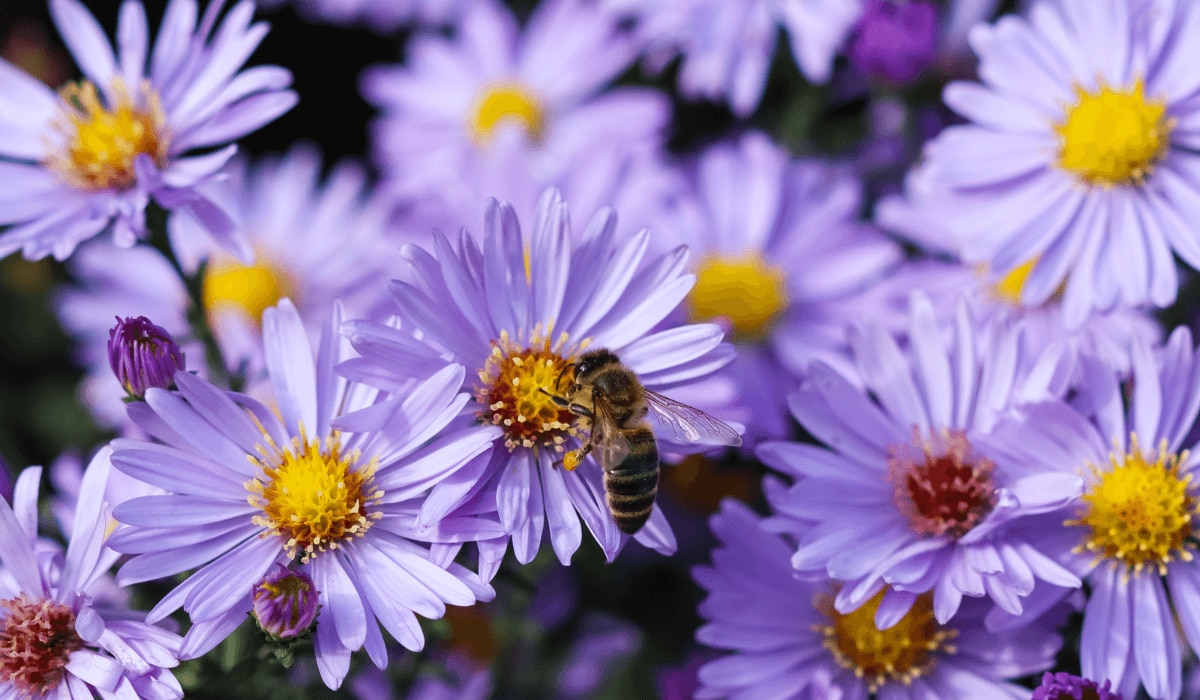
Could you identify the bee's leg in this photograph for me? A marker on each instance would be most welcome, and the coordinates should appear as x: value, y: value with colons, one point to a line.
x: 574, y: 458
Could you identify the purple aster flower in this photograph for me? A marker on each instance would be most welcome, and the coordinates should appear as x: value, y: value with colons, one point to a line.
x: 917, y: 216
x: 1132, y: 535
x: 90, y: 158
x: 911, y: 496
x: 780, y: 258
x: 497, y: 102
x: 314, y: 241
x: 58, y: 638
x: 727, y: 46
x: 518, y: 313
x: 250, y: 488
x: 895, y: 40
x: 1064, y: 686
x: 142, y: 355
x: 792, y: 642
x: 1081, y: 151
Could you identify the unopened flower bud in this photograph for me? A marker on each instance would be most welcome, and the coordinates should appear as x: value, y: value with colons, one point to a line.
x: 1064, y: 686
x: 896, y: 39
x: 143, y: 355
x: 285, y: 603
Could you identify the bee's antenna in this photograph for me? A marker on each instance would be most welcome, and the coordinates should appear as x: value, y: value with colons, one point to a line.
x: 558, y: 381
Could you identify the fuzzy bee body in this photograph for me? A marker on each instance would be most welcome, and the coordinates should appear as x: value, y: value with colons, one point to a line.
x: 613, y: 405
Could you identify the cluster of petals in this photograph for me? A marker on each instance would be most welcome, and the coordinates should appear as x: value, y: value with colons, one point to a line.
x: 504, y: 111
x: 854, y: 505
x: 1130, y: 623
x: 87, y: 645
x: 174, y: 104
x: 773, y: 621
x: 595, y: 289
x: 1079, y: 152
x: 207, y: 448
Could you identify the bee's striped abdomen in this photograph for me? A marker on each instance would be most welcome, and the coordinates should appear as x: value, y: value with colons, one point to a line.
x: 631, y: 487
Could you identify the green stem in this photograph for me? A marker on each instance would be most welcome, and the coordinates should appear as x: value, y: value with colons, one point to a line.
x: 197, y: 318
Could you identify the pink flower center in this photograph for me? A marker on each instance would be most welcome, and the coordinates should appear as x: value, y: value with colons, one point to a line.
x: 941, y: 486
x: 36, y: 640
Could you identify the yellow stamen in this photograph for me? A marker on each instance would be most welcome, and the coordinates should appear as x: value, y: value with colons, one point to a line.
x: 102, y: 141
x: 516, y: 385
x: 506, y: 102
x: 1114, y: 136
x: 901, y: 653
x: 1139, y: 513
x: 745, y: 289
x: 312, y: 495
x: 247, y: 289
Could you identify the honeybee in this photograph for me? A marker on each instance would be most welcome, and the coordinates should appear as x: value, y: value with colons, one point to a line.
x: 614, y: 405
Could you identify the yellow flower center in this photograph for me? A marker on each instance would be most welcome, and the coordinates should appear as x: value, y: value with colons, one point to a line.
x: 744, y: 289
x: 900, y: 653
x: 515, y: 388
x: 1139, y: 513
x: 103, y: 141
x: 1114, y: 136
x: 246, y: 289
x: 1010, y: 287
x: 312, y: 495
x: 502, y: 102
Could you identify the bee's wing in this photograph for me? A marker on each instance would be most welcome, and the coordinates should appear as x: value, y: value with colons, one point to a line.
x: 690, y: 425
x: 608, y: 444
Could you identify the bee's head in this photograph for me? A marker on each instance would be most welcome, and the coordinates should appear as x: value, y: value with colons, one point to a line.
x: 593, y: 360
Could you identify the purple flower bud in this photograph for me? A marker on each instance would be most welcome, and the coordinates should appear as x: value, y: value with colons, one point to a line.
x: 1064, y: 686
x: 142, y: 355
x: 285, y: 603
x: 895, y: 39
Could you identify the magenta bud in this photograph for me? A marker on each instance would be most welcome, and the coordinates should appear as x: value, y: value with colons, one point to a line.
x: 285, y: 603
x: 1064, y: 686
x: 143, y: 355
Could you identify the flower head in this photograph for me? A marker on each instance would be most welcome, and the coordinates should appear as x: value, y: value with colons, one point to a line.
x: 58, y: 628
x: 331, y: 480
x: 91, y: 157
x: 790, y: 640
x: 501, y: 111
x: 913, y: 470
x: 1083, y: 162
x: 142, y: 355
x: 520, y: 312
x: 1131, y: 535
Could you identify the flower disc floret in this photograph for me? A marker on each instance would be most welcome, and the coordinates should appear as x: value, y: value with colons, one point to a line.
x: 507, y: 102
x: 1139, y: 513
x: 942, y: 487
x: 37, y: 637
x: 901, y: 653
x: 312, y: 495
x: 744, y: 289
x: 103, y: 141
x: 1114, y: 136
x: 516, y: 385
x: 248, y: 289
